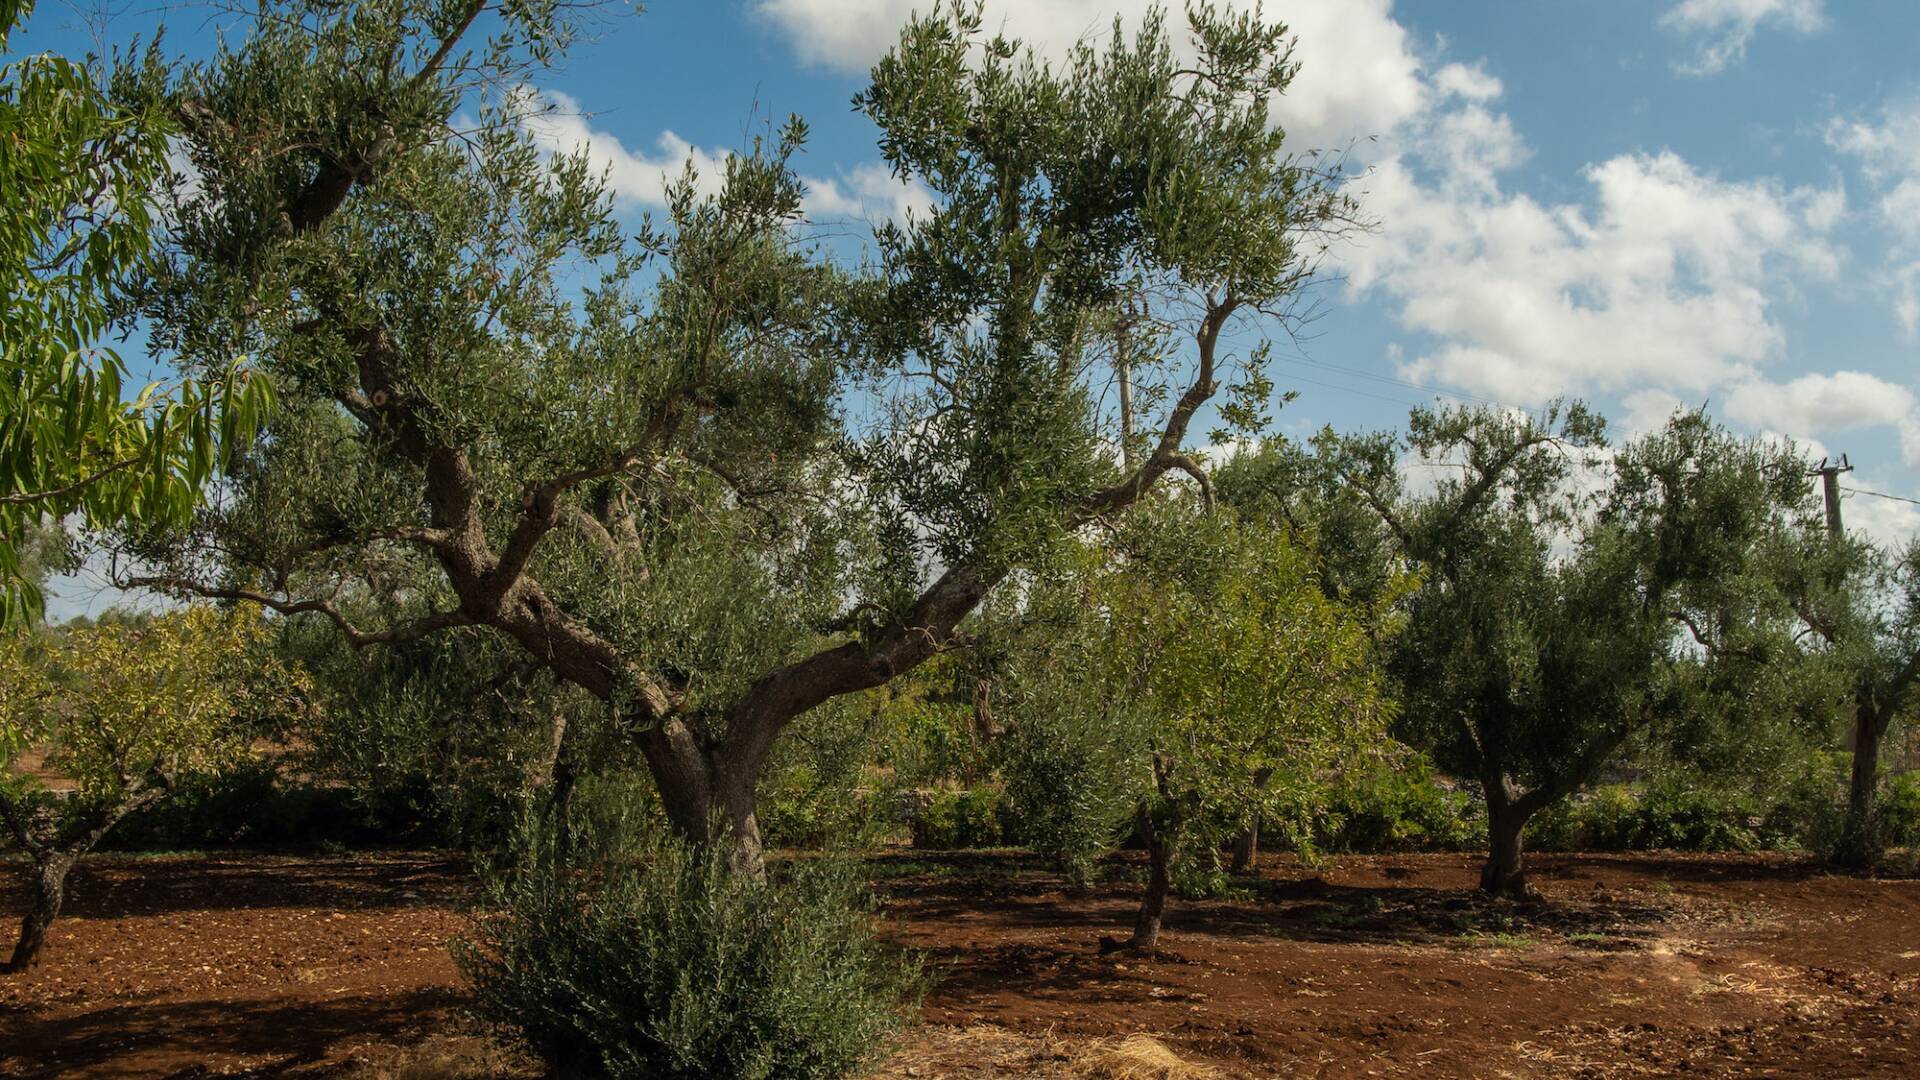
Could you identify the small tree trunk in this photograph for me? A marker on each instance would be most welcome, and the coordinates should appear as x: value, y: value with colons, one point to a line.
x: 1859, y: 844
x: 1246, y: 849
x: 1505, y: 873
x: 1153, y: 906
x: 49, y: 894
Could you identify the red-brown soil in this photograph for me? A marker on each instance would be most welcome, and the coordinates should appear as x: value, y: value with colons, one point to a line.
x: 1638, y: 965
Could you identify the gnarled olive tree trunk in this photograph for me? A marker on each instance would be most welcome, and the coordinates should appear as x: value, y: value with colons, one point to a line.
x: 1508, y: 810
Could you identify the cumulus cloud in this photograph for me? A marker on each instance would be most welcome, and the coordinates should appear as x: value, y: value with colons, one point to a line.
x: 868, y: 193
x: 1723, y: 27
x: 559, y: 125
x: 1841, y: 401
x: 1888, y: 153
x: 1658, y: 282
x: 1359, y: 75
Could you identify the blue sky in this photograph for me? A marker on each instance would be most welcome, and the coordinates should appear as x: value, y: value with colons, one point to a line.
x: 1646, y: 204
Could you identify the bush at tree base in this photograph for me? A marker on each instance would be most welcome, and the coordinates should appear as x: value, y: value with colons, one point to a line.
x: 657, y: 962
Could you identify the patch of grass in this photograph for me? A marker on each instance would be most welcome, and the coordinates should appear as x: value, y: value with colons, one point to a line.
x: 1584, y: 937
x: 1498, y: 939
x: 1333, y: 916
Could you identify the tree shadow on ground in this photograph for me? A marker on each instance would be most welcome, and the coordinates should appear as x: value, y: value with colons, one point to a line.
x: 142, y: 1040
x: 108, y: 887
x: 1675, y: 866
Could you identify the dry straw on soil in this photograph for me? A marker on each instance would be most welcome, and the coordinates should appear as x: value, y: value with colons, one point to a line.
x: 1138, y: 1057
x: 987, y: 1052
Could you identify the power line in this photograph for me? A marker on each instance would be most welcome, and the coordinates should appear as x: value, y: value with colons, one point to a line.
x: 1402, y: 402
x: 1881, y: 495
x: 1358, y: 374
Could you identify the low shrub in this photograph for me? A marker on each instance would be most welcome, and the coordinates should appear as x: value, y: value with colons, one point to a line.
x: 659, y: 963
x: 959, y: 819
x: 1899, y: 810
x: 1672, y: 814
x: 1401, y: 806
x: 256, y: 805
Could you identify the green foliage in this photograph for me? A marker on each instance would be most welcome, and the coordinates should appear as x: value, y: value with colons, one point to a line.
x: 1621, y: 817
x: 659, y: 962
x: 447, y: 735
x: 122, y: 707
x: 1555, y: 623
x: 1194, y: 669
x: 969, y: 818
x: 1069, y: 789
x: 1899, y: 810
x: 78, y: 173
x: 822, y: 790
x: 1402, y: 805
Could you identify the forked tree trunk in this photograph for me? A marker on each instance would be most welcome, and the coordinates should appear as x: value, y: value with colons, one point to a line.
x: 1859, y: 844
x: 54, y: 855
x: 710, y: 808
x: 1505, y: 873
x: 49, y: 895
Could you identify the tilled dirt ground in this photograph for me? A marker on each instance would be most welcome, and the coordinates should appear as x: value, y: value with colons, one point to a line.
x: 1637, y: 965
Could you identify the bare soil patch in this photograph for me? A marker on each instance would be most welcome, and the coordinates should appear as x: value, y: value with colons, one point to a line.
x: 1637, y: 965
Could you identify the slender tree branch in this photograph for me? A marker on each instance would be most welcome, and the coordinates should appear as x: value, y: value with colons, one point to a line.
x: 408, y: 631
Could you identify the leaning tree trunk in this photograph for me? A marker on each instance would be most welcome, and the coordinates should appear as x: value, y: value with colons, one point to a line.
x: 1160, y: 844
x: 49, y: 895
x: 1859, y: 844
x: 54, y: 855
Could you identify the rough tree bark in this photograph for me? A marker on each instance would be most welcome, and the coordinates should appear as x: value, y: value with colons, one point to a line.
x: 1859, y: 844
x: 1505, y: 872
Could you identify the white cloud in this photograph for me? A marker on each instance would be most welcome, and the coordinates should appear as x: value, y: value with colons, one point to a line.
x: 867, y: 193
x: 1727, y: 25
x: 559, y: 125
x: 1888, y: 153
x: 1659, y: 283
x: 1359, y: 75
x: 1470, y: 82
x: 1841, y: 401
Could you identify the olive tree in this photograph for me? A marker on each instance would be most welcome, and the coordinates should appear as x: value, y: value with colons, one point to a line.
x: 1558, y: 620
x: 1221, y: 683
x: 706, y: 475
x: 121, y: 712
x: 1861, y: 601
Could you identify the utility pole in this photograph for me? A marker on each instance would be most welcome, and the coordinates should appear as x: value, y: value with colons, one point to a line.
x: 1123, y: 368
x: 1829, y: 473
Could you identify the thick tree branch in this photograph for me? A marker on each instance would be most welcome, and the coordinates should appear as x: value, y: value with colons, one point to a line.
x: 1166, y: 453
